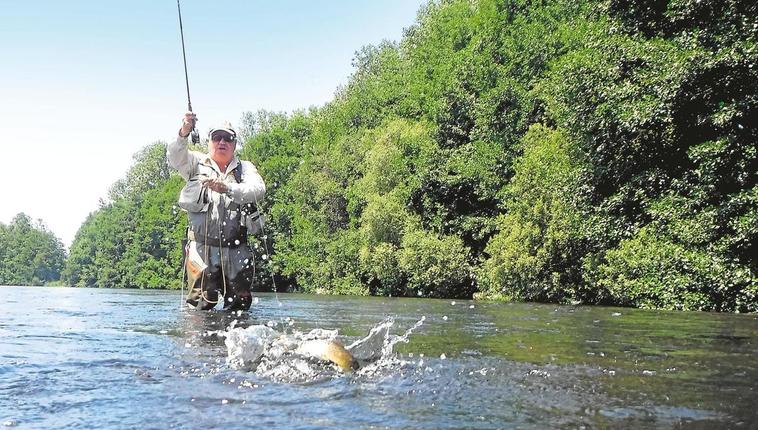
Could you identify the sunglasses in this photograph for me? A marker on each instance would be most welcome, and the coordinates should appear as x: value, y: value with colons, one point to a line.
x: 216, y: 138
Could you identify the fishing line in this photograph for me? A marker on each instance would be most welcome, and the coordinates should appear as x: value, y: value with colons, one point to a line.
x: 185, y: 252
x: 266, y: 249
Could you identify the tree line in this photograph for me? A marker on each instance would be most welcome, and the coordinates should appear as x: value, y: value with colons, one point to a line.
x: 599, y: 152
x: 30, y: 254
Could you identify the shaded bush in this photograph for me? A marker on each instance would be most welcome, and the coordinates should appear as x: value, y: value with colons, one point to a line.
x: 649, y: 271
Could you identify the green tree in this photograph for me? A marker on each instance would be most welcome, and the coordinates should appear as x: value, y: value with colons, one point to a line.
x: 30, y: 254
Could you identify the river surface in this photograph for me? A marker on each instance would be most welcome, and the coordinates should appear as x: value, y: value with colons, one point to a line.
x: 98, y: 359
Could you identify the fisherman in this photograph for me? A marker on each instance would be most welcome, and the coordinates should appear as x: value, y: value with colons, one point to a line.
x: 220, y: 197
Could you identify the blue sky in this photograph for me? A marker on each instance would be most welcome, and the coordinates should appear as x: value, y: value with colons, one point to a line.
x: 86, y: 84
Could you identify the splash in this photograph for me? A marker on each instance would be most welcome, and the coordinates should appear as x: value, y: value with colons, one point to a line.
x: 315, y: 355
x: 246, y: 346
x: 375, y: 352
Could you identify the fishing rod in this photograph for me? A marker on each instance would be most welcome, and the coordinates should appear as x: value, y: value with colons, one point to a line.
x: 195, y: 140
x: 194, y: 133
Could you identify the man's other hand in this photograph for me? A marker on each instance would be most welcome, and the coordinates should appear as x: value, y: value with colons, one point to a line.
x: 216, y: 185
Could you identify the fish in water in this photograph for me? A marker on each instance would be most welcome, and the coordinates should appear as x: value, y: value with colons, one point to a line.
x: 329, y: 350
x: 246, y: 347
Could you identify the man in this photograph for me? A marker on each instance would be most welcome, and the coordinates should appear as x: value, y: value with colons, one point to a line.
x: 218, y: 198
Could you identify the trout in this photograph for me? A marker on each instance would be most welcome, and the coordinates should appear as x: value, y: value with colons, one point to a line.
x: 329, y: 350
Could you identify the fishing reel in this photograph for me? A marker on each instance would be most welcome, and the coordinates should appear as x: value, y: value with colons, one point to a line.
x: 195, y: 136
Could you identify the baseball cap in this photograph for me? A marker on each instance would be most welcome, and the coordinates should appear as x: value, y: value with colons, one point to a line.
x: 226, y: 127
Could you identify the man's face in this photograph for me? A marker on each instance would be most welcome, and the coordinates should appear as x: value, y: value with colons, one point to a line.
x: 221, y: 147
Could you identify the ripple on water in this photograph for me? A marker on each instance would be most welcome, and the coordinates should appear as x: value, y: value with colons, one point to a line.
x: 73, y: 313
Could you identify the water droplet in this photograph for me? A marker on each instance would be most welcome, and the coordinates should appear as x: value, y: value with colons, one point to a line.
x: 236, y: 241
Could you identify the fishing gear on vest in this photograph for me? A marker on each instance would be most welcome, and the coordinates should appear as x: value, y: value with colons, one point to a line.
x: 195, y: 135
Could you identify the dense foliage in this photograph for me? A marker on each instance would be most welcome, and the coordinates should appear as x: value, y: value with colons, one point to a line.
x: 601, y: 152
x: 559, y: 151
x: 30, y: 254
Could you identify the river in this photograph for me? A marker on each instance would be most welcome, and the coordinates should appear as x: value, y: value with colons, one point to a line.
x: 98, y: 358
